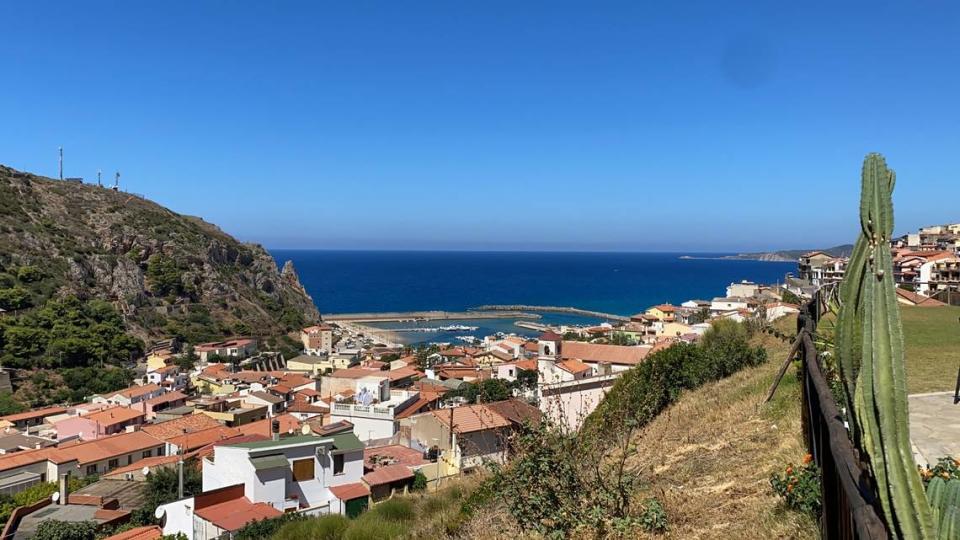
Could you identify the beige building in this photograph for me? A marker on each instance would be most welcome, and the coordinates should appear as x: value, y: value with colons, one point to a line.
x: 317, y: 339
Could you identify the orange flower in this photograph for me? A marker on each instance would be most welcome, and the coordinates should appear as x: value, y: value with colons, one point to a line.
x: 789, y: 488
x: 807, y: 459
x: 945, y: 475
x: 790, y: 469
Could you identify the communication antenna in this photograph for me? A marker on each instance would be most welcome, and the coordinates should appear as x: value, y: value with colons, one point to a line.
x: 61, y: 163
x: 99, y: 183
x: 116, y: 182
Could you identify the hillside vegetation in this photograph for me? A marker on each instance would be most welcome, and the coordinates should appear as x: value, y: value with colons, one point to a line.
x: 165, y: 273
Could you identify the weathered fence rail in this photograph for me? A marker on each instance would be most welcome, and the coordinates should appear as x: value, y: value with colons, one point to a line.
x: 850, y: 509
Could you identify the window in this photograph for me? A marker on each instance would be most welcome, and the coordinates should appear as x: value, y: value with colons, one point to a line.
x: 338, y: 464
x: 303, y: 470
x: 91, y: 469
x: 129, y: 459
x: 146, y: 454
x: 113, y: 463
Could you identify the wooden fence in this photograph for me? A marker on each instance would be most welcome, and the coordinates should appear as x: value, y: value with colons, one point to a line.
x: 850, y: 509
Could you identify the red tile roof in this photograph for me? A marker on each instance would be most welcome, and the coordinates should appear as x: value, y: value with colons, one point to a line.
x: 595, y: 352
x: 114, y: 416
x: 233, y: 514
x: 199, y: 439
x: 573, y: 366
x: 470, y: 418
x: 135, y: 391
x: 150, y: 532
x: 167, y: 398
x: 106, y: 448
x: 36, y: 413
x: 388, y: 475
x: 174, y: 428
x: 393, y: 454
x: 347, y: 492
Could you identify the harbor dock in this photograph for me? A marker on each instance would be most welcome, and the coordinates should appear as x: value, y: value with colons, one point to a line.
x: 428, y: 316
x: 554, y: 309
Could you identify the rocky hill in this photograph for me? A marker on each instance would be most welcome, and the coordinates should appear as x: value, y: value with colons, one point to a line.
x: 792, y: 255
x: 166, y: 273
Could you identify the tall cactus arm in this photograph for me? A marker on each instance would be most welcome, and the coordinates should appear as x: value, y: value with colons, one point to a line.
x: 870, y: 347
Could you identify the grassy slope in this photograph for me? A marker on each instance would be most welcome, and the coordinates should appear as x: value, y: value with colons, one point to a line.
x: 711, y: 455
x: 932, y: 337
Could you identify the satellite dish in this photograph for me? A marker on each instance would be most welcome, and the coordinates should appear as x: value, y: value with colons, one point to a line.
x: 145, y: 470
x: 305, y: 429
x: 55, y: 497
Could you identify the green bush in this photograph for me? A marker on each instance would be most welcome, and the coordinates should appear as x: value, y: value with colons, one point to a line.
x: 29, y: 274
x: 329, y: 527
x: 397, y: 510
x: 265, y: 528
x: 52, y: 529
x: 370, y: 526
x: 419, y: 481
x: 15, y: 298
x: 799, y: 485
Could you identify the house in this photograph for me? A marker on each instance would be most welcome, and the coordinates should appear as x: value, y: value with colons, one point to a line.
x: 290, y: 473
x: 810, y: 266
x: 465, y: 437
x: 231, y: 349
x: 99, y: 424
x: 130, y: 396
x: 744, y: 289
x: 317, y: 339
x: 910, y: 298
x: 168, y: 377
x: 776, y: 310
x: 274, y: 404
x: 14, y: 441
x: 215, y: 513
x: 163, y: 402
x: 724, y: 305
x: 20, y: 470
x: 387, y: 480
x: 565, y: 370
x: 662, y: 312
x: 618, y: 357
x: 32, y: 418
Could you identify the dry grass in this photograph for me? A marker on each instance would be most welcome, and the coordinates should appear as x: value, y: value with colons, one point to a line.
x: 709, y: 457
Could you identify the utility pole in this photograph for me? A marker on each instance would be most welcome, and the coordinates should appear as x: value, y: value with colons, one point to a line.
x: 99, y: 182
x: 61, y: 163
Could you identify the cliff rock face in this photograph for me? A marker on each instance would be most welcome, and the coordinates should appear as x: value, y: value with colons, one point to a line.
x: 150, y: 262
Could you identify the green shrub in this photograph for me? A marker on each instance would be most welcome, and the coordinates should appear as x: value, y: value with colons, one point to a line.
x: 52, y: 529
x: 15, y: 298
x: 264, y: 528
x: 799, y: 485
x: 329, y: 527
x: 397, y: 510
x: 946, y: 468
x: 370, y: 526
x: 653, y: 518
x: 29, y: 274
x: 419, y: 481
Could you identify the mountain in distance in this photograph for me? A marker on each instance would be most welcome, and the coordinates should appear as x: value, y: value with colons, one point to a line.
x: 791, y: 255
x: 166, y: 273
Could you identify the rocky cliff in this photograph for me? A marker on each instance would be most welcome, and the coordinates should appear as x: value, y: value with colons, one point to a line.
x: 166, y: 272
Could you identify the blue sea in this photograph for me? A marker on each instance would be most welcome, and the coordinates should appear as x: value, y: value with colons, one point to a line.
x: 619, y: 283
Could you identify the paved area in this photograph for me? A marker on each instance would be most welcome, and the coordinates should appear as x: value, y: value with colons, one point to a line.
x: 934, y: 427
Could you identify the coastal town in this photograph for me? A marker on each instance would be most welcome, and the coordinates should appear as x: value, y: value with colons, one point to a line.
x: 355, y: 418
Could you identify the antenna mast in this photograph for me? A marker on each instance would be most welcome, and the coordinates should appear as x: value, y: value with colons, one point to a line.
x: 99, y: 183
x: 116, y: 182
x: 61, y: 163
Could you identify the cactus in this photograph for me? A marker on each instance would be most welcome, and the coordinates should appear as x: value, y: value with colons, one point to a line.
x: 944, y: 497
x: 870, y: 350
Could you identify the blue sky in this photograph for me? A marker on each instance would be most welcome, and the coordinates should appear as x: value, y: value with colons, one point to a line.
x: 708, y: 126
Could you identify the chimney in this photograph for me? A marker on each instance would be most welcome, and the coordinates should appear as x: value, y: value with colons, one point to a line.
x: 64, y: 482
x: 275, y: 429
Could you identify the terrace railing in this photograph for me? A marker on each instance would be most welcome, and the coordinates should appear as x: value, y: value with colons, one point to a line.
x: 850, y: 509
